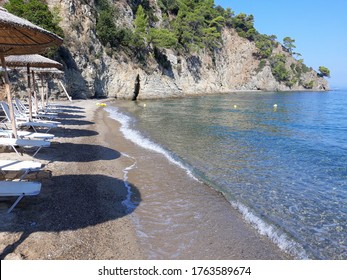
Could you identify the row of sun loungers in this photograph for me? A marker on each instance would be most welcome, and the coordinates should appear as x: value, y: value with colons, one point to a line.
x: 20, y: 187
x: 22, y: 119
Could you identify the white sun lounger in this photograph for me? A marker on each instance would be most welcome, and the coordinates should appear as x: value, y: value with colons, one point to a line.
x: 25, y: 166
x: 24, y: 117
x: 20, y: 189
x: 34, y: 125
x: 13, y: 142
x: 26, y: 134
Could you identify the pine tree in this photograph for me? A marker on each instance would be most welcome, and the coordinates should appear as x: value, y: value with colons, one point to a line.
x: 324, y: 72
x: 288, y: 43
x: 162, y: 38
x: 141, y: 28
x: 37, y: 12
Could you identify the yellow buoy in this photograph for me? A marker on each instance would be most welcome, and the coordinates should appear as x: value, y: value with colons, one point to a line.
x: 144, y: 105
x: 235, y: 106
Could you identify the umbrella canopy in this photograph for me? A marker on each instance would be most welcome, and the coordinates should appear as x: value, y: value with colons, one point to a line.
x: 19, y: 36
x: 32, y: 60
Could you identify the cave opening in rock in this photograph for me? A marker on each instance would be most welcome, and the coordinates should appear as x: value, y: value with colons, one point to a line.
x: 137, y: 87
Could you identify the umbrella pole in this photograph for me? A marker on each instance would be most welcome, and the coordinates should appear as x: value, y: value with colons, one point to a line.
x: 8, y: 93
x: 42, y: 92
x: 35, y: 93
x: 29, y: 94
x: 47, y: 88
x: 64, y: 89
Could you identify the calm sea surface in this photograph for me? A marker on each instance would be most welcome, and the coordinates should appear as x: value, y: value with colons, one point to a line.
x: 283, y: 166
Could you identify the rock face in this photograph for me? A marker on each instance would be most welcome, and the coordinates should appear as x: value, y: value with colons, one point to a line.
x: 91, y: 72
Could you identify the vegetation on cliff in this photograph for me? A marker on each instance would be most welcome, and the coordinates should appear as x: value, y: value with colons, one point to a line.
x: 187, y: 27
x: 324, y: 72
x: 191, y: 25
x: 37, y: 12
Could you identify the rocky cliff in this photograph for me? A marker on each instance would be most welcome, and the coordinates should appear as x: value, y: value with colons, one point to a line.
x: 91, y: 71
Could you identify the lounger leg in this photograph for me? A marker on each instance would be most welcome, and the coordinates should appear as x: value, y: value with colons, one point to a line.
x: 37, y: 151
x: 14, y: 148
x: 15, y: 203
x: 24, y: 174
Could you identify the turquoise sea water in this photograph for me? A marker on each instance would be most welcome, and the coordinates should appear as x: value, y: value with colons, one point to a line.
x: 283, y: 167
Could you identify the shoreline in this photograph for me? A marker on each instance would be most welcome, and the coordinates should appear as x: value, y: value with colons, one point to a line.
x: 80, y: 214
x: 190, y: 95
x: 198, y: 222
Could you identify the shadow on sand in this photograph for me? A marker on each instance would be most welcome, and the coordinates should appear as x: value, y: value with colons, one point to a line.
x: 74, y: 122
x: 70, y: 116
x: 69, y: 202
x: 63, y: 107
x: 72, y: 152
x: 74, y: 132
x: 68, y: 111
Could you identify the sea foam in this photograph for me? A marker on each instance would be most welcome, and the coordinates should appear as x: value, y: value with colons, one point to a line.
x: 140, y: 140
x: 127, y: 202
x: 280, y: 239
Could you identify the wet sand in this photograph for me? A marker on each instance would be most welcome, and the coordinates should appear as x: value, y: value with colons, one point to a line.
x: 79, y: 213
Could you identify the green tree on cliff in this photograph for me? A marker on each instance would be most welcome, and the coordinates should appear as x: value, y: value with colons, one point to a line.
x: 288, y: 43
x: 35, y: 11
x: 107, y: 30
x: 169, y: 6
x: 188, y: 25
x: 244, y: 26
x: 141, y: 25
x: 278, y: 68
x: 198, y: 24
x: 324, y: 72
x: 265, y: 45
x: 162, y: 38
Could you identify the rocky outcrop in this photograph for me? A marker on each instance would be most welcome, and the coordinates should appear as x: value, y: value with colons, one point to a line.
x: 91, y: 72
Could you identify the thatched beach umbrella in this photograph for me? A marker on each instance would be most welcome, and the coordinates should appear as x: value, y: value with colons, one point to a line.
x: 19, y: 36
x: 43, y: 72
x: 32, y: 60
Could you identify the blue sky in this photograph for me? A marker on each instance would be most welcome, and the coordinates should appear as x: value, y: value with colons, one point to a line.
x: 318, y: 27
